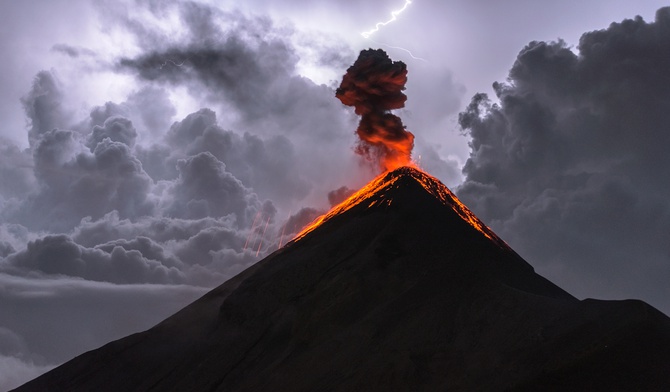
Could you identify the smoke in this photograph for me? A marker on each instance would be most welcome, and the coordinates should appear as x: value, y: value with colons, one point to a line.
x: 373, y: 86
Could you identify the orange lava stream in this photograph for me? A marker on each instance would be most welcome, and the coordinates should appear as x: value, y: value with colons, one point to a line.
x: 449, y: 198
x: 430, y: 183
x: 378, y: 183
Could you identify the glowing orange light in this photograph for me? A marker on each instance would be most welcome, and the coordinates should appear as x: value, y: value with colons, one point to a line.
x: 385, y: 181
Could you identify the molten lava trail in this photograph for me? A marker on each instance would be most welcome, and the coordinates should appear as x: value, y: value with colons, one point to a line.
x: 385, y: 181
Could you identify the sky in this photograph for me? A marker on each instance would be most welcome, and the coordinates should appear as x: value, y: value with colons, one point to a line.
x: 150, y: 150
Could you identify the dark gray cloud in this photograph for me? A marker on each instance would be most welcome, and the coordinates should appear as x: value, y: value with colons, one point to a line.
x: 204, y: 188
x: 100, y: 114
x: 72, y: 51
x: 160, y: 229
x: 6, y: 249
x: 16, y: 171
x: 268, y: 165
x: 204, y: 250
x: 446, y: 169
x: 15, y: 371
x: 148, y: 248
x: 59, y: 255
x: 75, y: 183
x: 44, y: 106
x: 299, y: 220
x: 338, y: 195
x: 245, y: 64
x: 148, y: 108
x: 115, y: 128
x: 198, y: 249
x: 569, y: 167
x: 54, y: 319
x: 154, y: 109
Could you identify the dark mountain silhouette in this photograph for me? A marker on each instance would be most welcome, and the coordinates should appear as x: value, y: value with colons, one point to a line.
x: 400, y: 288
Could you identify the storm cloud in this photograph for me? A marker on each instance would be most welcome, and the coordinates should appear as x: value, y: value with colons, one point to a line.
x: 127, y: 202
x: 569, y: 166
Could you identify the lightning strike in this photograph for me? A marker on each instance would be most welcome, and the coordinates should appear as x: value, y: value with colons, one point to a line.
x: 283, y: 230
x: 399, y: 48
x: 394, y: 16
x: 262, y: 236
x: 165, y: 63
x: 253, y: 227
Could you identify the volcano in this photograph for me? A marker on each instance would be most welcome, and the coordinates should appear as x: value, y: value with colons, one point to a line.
x: 399, y: 288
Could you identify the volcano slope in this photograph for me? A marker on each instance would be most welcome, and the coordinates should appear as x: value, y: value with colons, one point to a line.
x: 400, y: 288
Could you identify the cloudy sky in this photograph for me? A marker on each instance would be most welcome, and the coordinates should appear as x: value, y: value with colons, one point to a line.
x: 149, y: 150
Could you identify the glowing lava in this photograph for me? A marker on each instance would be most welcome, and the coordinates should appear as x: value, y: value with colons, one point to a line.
x: 386, y: 181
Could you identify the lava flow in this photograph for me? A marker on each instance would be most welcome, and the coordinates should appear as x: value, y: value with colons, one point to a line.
x: 385, y: 181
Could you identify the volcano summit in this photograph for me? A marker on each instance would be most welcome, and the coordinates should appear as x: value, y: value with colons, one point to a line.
x: 400, y: 288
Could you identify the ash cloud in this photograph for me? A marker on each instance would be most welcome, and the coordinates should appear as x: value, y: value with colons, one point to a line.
x: 569, y: 166
x: 373, y: 85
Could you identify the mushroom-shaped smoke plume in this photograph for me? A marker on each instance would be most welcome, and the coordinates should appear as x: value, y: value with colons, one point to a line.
x: 373, y: 86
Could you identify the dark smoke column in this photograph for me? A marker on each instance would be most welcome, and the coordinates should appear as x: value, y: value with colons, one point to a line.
x: 373, y: 86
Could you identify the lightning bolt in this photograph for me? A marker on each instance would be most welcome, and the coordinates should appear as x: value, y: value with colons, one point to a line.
x: 262, y: 235
x: 281, y: 238
x: 394, y: 16
x: 253, y: 227
x: 170, y: 61
x: 398, y: 47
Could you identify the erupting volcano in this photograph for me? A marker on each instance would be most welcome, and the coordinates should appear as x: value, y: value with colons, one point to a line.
x: 373, y: 86
x: 398, y: 288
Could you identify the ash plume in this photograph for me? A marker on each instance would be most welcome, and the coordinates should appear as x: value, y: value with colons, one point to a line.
x: 373, y: 85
